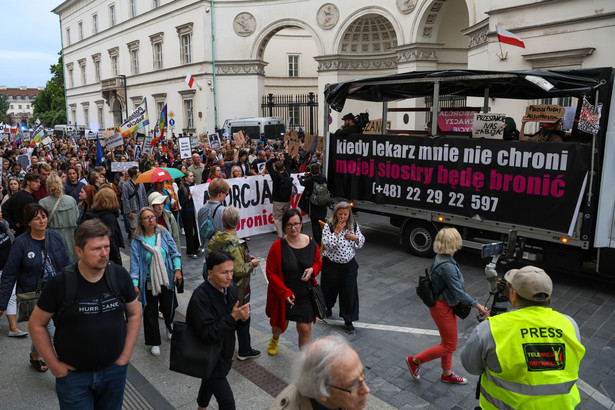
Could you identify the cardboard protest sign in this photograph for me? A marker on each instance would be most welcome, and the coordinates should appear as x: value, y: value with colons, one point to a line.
x: 488, y: 125
x: 290, y: 134
x: 122, y: 166
x: 239, y: 138
x: 374, y: 127
x: 544, y: 112
x: 194, y: 141
x: 185, y: 151
x: 320, y: 145
x: 307, y: 140
x: 107, y: 133
x: 292, y: 144
x: 204, y: 140
x: 214, y: 141
x: 589, y: 119
x: 114, y: 141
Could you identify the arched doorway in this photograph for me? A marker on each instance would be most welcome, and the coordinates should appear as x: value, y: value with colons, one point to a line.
x: 116, y: 109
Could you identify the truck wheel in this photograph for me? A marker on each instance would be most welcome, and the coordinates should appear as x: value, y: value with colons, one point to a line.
x: 419, y: 237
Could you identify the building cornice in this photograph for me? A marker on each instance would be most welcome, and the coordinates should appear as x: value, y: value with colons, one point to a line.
x: 241, y: 67
x: 339, y: 62
x: 478, y: 33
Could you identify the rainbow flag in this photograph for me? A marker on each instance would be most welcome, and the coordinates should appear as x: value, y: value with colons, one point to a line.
x: 38, y: 132
x: 160, y: 126
x: 17, y: 139
x: 136, y: 120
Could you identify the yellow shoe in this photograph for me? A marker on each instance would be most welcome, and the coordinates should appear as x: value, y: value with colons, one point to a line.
x: 272, y: 349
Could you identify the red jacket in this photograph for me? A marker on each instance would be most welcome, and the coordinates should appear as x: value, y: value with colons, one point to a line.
x: 277, y: 292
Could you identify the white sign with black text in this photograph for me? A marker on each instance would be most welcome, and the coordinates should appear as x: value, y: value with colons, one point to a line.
x: 185, y: 150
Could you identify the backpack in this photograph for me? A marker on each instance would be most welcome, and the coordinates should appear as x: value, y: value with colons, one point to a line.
x: 70, y: 290
x: 207, y: 230
x: 320, y: 194
x: 424, y: 289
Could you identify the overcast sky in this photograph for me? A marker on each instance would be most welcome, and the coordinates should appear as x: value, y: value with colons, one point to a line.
x: 31, y: 42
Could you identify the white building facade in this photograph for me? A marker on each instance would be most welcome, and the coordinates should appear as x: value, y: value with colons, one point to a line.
x: 118, y: 52
x: 20, y: 102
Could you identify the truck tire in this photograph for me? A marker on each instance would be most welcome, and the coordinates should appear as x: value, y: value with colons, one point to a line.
x: 419, y: 237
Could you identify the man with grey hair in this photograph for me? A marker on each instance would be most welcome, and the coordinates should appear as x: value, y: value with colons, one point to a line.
x: 330, y: 376
x: 530, y: 356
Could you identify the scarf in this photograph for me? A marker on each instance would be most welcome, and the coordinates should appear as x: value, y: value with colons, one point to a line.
x: 157, y: 267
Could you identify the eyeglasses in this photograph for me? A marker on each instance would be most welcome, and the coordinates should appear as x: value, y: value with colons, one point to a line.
x: 293, y: 225
x: 355, y: 385
x: 148, y: 218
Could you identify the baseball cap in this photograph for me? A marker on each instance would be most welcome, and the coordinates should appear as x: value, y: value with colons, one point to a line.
x: 529, y: 282
x: 156, y: 198
x: 348, y: 116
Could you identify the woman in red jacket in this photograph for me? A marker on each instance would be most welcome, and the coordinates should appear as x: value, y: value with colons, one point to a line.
x: 293, y: 263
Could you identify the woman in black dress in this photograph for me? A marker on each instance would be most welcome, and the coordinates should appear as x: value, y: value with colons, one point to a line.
x: 292, y: 265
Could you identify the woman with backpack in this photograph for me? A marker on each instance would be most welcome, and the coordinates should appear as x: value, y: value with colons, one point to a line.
x: 106, y: 207
x: 314, y: 199
x: 341, y: 237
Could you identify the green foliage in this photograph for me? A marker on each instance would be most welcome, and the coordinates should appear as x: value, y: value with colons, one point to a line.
x: 4, y: 107
x: 50, y: 104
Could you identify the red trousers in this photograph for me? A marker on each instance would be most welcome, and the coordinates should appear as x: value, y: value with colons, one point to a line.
x: 446, y: 321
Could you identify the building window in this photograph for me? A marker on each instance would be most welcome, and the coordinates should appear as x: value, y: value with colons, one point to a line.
x: 27, y: 106
x: 188, y: 114
x: 97, y: 70
x: 112, y: 15
x: 156, y: 3
x: 158, y: 56
x: 12, y: 107
x: 293, y: 66
x: 71, y: 79
x: 83, y: 78
x: 86, y: 117
x: 80, y: 26
x: 19, y: 107
x: 101, y: 124
x: 95, y: 24
x: 73, y: 114
x: 134, y: 61
x: 186, y: 49
x: 159, y: 107
x: 114, y: 66
x: 68, y: 36
x: 133, y: 8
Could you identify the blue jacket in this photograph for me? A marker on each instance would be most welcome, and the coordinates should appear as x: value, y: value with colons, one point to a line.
x: 24, y: 269
x: 138, y: 264
x: 449, y: 280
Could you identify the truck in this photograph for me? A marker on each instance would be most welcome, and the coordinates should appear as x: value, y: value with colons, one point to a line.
x: 62, y: 130
x: 270, y: 127
x: 557, y: 199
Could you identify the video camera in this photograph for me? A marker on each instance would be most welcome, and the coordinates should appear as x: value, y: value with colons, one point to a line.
x: 510, y: 250
x: 362, y: 119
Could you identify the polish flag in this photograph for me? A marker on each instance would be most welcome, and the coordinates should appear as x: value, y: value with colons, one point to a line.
x: 507, y: 37
x: 189, y: 80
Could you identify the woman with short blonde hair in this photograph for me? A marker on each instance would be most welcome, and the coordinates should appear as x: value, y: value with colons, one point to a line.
x: 447, y: 284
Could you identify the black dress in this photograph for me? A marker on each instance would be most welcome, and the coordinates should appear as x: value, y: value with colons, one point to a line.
x: 294, y: 263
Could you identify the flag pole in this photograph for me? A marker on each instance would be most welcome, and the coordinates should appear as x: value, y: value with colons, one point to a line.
x: 502, y: 55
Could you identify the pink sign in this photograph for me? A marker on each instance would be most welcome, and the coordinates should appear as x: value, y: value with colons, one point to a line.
x: 458, y: 121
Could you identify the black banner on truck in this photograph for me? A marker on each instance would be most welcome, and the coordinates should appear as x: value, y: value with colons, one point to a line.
x: 538, y: 184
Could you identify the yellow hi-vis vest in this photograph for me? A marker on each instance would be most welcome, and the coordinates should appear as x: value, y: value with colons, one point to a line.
x: 540, y: 354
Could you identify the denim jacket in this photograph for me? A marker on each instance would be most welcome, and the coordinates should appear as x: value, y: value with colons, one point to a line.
x: 138, y: 264
x: 447, y: 281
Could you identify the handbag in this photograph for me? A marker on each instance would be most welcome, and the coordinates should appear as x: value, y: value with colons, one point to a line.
x: 190, y: 355
x: 462, y: 310
x: 424, y: 289
x: 318, y: 302
x: 26, y: 301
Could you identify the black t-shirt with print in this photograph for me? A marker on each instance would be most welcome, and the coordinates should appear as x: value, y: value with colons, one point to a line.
x: 91, y: 332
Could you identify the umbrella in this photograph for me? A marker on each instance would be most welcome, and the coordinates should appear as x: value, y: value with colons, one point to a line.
x: 159, y: 174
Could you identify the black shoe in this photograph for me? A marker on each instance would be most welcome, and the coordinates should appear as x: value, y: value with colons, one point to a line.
x: 252, y: 355
x: 328, y: 314
x: 349, y: 328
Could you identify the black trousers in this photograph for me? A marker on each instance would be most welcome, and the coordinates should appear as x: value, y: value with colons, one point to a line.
x: 341, y: 279
x: 220, y: 389
x: 163, y: 302
x: 316, y: 230
x: 192, y: 236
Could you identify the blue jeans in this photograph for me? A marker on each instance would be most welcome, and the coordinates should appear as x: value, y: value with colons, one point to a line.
x: 93, y: 389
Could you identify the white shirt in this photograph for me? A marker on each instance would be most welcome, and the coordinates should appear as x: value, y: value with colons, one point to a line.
x: 339, y: 249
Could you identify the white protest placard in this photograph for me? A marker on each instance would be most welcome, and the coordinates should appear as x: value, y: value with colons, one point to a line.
x: 185, y: 151
x: 122, y: 166
x: 114, y: 141
x: 194, y: 141
x: 47, y: 141
x: 214, y: 141
x: 251, y: 196
x: 589, y: 119
x: 488, y: 125
x: 90, y: 135
x: 5, y: 136
x: 25, y: 136
x: 138, y: 150
x: 24, y: 161
x: 147, y: 144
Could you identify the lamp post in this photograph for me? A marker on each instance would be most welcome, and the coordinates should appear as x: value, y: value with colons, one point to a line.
x: 125, y: 95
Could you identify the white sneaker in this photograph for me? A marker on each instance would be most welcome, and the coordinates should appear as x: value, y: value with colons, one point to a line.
x: 155, y: 351
x: 183, y: 231
x: 169, y: 334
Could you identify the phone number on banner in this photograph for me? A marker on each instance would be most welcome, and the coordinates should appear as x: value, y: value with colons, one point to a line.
x: 436, y: 196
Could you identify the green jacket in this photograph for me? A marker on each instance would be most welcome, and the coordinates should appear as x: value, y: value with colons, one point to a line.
x: 63, y: 220
x: 169, y: 219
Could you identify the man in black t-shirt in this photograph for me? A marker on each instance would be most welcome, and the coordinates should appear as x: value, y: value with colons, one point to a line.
x: 97, y: 317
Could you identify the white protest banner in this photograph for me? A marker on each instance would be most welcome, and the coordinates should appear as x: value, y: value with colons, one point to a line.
x: 5, y: 136
x: 252, y: 196
x: 136, y: 120
x: 214, y: 141
x: 589, y: 119
x: 185, y: 151
x: 114, y: 141
x: 488, y: 125
x: 122, y: 166
x: 544, y: 112
x: 47, y: 141
x: 90, y: 135
x: 194, y: 141
x: 147, y: 144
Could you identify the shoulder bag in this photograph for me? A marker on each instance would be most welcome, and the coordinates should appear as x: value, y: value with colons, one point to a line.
x: 424, y: 289
x: 190, y: 355
x: 26, y: 301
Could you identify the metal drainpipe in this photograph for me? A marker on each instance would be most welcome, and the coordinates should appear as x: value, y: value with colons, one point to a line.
x: 213, y: 63
x: 63, y: 71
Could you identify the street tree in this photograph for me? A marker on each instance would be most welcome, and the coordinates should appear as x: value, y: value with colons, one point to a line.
x: 50, y: 104
x: 4, y: 107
